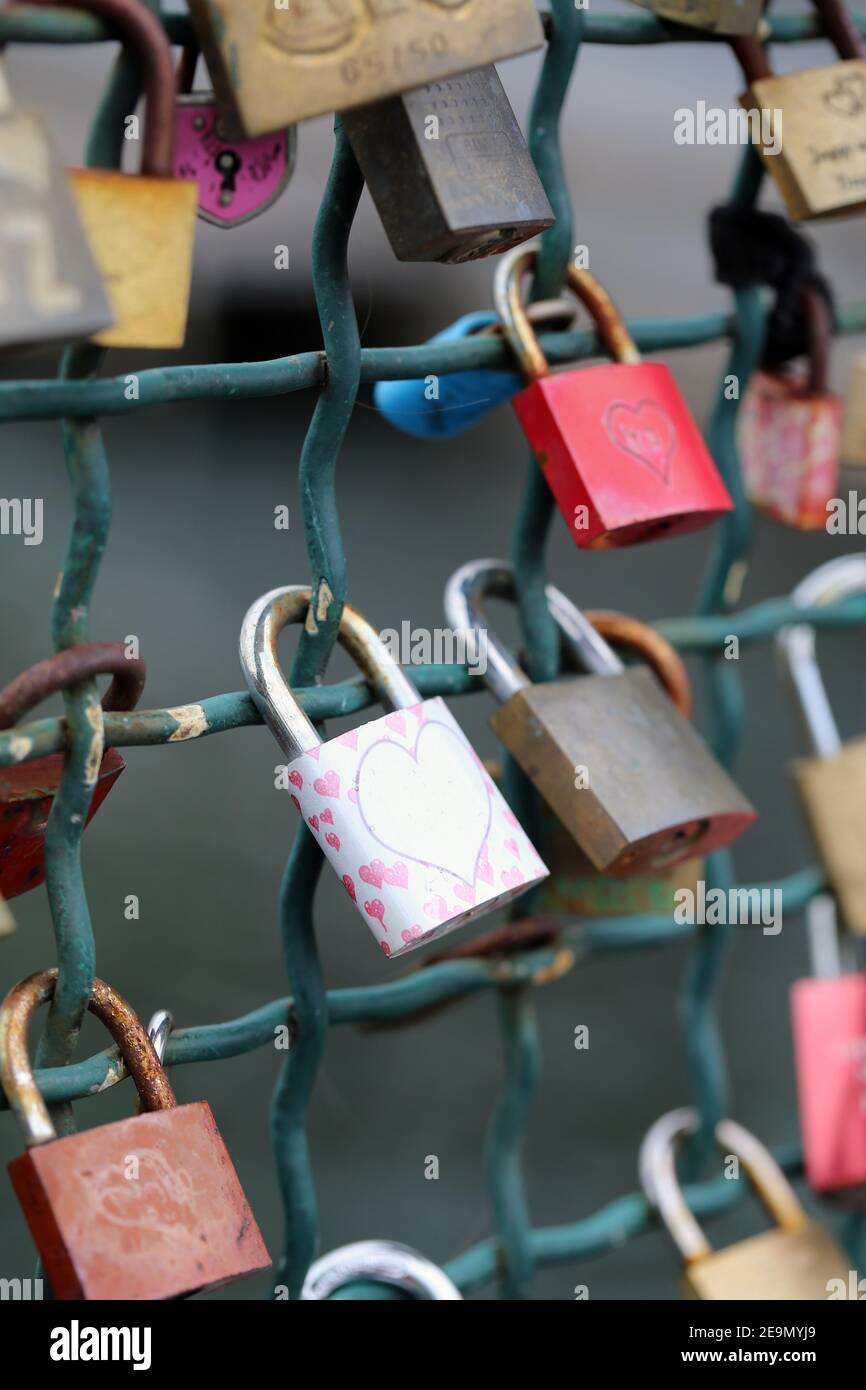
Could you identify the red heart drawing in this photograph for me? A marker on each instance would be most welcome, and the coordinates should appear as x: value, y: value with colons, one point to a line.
x: 327, y: 816
x: 329, y: 785
x: 645, y: 432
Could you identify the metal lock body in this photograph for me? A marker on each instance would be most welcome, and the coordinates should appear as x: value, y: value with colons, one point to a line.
x: 716, y: 16
x: 790, y: 432
x: 854, y: 415
x: 384, y: 1262
x: 50, y: 288
x: 141, y: 227
x: 237, y: 179
x: 617, y: 445
x: 627, y: 775
x: 402, y: 807
x: 816, y: 151
x: 459, y: 189
x: 27, y: 790
x: 179, y: 1225
x: 795, y: 1261
x: 574, y: 888
x: 276, y: 66
x: 831, y: 785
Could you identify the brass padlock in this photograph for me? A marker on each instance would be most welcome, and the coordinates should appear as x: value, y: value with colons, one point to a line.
x: 831, y: 784
x: 716, y: 16
x: 449, y: 171
x: 274, y: 65
x: 574, y: 888
x: 50, y: 289
x: 796, y: 1261
x: 853, y: 449
x: 811, y: 133
x: 141, y: 227
x: 628, y: 776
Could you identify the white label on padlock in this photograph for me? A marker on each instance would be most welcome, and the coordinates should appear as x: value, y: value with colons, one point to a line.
x: 413, y: 825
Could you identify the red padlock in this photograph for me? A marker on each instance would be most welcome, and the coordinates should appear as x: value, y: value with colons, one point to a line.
x: 617, y: 444
x: 791, y: 430
x: 28, y: 789
x: 145, y: 1208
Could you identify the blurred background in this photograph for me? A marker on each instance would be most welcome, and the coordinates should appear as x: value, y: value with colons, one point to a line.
x: 197, y: 831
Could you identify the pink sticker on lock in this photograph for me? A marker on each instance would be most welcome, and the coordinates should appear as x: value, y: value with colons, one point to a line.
x: 829, y: 1021
x: 237, y: 179
x: 432, y: 842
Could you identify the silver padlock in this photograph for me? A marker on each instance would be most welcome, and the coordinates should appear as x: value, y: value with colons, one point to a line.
x: 383, y: 1262
x: 402, y: 807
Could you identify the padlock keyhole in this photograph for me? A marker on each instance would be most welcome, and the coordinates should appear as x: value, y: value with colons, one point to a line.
x: 228, y: 163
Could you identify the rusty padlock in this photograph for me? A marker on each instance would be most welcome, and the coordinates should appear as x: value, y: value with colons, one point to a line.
x: 630, y: 778
x: 272, y: 65
x: 27, y: 789
x: 574, y: 888
x: 790, y: 432
x: 449, y: 171
x: 811, y: 133
x: 617, y: 445
x: 141, y: 227
x: 145, y: 1208
x: 402, y: 808
x: 796, y: 1260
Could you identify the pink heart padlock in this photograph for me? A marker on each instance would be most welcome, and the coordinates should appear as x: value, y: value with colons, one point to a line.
x: 237, y: 179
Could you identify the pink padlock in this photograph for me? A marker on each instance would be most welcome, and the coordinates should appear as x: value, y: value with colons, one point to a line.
x: 402, y: 807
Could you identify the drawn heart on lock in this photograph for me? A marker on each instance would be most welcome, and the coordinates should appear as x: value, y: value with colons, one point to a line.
x: 847, y: 96
x: 427, y: 803
x: 645, y: 432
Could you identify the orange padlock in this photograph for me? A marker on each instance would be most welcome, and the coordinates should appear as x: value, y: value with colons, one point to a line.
x: 145, y: 1208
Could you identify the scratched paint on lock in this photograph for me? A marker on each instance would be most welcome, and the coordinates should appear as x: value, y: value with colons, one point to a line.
x: 420, y: 836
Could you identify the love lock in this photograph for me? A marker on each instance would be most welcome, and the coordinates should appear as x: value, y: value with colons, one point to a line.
x: 383, y: 1262
x: 27, y: 790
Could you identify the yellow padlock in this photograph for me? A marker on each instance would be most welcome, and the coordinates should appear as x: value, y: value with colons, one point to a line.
x: 141, y: 227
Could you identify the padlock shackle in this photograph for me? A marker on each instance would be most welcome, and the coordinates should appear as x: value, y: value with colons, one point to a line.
x: 140, y: 29
x: 840, y: 28
x: 16, y: 1070
x: 752, y: 58
x: 260, y: 663
x: 522, y: 339
x: 384, y: 1262
x: 658, y: 1176
x: 643, y: 641
x: 819, y: 329
x: 69, y: 668
x: 795, y: 646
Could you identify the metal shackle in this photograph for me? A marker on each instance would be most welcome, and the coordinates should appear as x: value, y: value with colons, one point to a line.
x: 837, y: 579
x: 260, y: 663
x: 518, y: 330
x: 480, y: 579
x: 384, y: 1262
x: 16, y: 1070
x: 658, y: 1177
x: 140, y: 28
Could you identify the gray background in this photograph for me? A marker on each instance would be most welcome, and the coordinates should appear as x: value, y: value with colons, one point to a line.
x: 197, y: 831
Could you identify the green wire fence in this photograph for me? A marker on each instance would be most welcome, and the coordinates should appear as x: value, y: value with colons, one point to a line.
x: 78, y: 398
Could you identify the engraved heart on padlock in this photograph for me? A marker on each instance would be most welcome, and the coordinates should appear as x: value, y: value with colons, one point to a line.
x: 847, y: 96
x: 428, y: 803
x: 645, y: 432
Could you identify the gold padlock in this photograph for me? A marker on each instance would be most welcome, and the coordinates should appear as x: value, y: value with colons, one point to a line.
x: 274, y: 65
x: 812, y: 124
x: 796, y: 1260
x: 853, y: 449
x: 716, y: 16
x: 831, y: 784
x: 141, y: 227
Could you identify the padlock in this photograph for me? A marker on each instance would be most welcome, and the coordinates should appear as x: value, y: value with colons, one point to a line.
x: 448, y: 169
x: 628, y: 776
x: 237, y: 179
x: 832, y: 783
x: 828, y: 1018
x: 811, y: 128
x: 796, y: 1261
x: 145, y: 1208
x: 620, y: 451
x: 716, y: 16
x: 790, y: 432
x: 402, y: 807
x: 50, y: 288
x: 574, y: 888
x: 27, y: 789
x: 382, y: 1262
x: 141, y: 227
x: 854, y: 415
x: 283, y: 64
